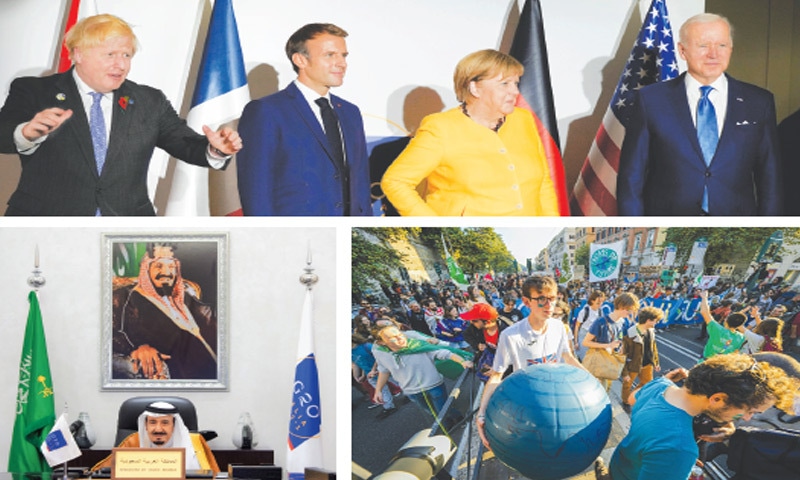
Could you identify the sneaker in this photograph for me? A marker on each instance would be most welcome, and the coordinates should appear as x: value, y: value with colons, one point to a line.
x: 385, y: 413
x: 373, y: 405
x: 601, y: 470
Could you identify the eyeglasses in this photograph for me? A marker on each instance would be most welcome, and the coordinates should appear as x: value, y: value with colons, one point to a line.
x: 541, y: 301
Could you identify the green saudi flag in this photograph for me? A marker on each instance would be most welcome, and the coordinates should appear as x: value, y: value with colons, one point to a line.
x: 35, y: 409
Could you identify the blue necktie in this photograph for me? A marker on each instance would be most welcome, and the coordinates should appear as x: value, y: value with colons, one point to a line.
x: 97, y: 125
x: 707, y: 132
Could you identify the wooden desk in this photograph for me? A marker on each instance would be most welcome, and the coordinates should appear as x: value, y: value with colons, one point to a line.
x: 90, y: 457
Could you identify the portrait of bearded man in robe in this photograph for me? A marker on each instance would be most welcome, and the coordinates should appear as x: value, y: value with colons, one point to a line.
x: 161, y: 328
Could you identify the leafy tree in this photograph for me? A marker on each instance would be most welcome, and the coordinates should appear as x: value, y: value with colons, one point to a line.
x: 725, y: 245
x: 476, y: 250
x: 582, y: 256
x: 565, y: 270
x: 373, y: 262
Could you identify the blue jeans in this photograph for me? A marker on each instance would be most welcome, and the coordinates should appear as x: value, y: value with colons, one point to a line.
x: 388, y: 401
x: 437, y: 396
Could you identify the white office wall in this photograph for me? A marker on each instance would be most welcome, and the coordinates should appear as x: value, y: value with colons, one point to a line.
x: 264, y: 304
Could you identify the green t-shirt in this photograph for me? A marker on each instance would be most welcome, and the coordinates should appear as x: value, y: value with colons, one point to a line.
x: 721, y: 340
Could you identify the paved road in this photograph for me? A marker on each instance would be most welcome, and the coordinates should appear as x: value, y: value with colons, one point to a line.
x: 376, y: 441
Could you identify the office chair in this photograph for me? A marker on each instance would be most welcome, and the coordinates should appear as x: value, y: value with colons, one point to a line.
x: 131, y: 408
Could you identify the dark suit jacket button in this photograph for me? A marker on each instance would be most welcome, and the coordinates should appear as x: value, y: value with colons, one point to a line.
x: 708, y: 174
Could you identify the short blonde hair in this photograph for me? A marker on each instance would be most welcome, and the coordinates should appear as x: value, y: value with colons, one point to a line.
x: 480, y: 65
x: 94, y: 30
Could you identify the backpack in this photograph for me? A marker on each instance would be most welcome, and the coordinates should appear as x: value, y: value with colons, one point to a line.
x: 766, y: 454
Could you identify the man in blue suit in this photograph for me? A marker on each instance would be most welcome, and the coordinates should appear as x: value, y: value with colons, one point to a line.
x: 682, y: 156
x: 305, y: 149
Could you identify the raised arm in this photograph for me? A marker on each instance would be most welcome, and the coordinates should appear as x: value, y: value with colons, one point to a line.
x: 705, y: 311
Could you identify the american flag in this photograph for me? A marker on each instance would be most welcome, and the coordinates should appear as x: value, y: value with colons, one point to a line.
x: 652, y: 60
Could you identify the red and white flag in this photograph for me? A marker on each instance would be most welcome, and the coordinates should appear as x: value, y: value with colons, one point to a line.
x: 652, y: 60
x: 77, y: 11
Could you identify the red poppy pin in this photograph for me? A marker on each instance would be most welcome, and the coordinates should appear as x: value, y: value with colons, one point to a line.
x: 125, y: 101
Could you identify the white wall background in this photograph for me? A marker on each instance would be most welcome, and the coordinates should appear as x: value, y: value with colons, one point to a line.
x: 394, y: 47
x: 264, y: 305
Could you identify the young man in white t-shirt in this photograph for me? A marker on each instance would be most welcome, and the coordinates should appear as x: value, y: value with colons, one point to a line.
x: 533, y: 340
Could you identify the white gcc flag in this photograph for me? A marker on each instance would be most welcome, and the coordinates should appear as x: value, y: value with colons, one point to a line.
x: 59, y: 446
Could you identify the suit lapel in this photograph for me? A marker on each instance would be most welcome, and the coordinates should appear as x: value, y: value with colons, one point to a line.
x: 79, y: 123
x: 122, y: 111
x: 735, y: 105
x: 304, y: 110
x: 345, y: 124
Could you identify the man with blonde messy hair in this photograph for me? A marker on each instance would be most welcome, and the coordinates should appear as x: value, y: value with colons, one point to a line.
x: 85, y: 137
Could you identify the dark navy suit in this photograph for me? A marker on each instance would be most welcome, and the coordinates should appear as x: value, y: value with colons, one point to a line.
x: 286, y: 166
x: 60, y: 177
x: 662, y: 170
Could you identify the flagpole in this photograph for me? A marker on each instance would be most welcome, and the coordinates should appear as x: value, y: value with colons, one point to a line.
x: 65, y: 475
x: 36, y: 280
x: 309, y: 279
x: 304, y: 439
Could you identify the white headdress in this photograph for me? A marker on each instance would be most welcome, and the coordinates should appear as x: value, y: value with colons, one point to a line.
x: 180, y: 434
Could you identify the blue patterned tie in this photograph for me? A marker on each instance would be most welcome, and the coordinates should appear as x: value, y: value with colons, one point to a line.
x: 97, y: 124
x: 707, y: 132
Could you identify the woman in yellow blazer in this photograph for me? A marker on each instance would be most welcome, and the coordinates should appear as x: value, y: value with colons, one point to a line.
x: 484, y: 157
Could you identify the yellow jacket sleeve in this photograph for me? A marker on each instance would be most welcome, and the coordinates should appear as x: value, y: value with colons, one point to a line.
x: 418, y: 160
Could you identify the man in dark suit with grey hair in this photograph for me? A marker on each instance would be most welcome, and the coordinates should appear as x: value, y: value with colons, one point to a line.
x: 703, y: 143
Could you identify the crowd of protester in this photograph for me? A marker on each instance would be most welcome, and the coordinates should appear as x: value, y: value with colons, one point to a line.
x: 484, y: 327
x: 767, y: 298
x: 761, y: 317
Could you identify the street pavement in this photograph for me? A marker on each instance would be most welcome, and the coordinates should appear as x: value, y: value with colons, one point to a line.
x: 375, y: 442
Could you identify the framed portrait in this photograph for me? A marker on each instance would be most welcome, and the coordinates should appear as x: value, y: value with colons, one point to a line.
x: 164, y: 320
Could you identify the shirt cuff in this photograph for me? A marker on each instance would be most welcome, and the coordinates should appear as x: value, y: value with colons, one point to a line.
x: 25, y: 146
x: 216, y: 159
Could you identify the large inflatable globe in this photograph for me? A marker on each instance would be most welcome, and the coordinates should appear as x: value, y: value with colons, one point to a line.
x: 548, y: 421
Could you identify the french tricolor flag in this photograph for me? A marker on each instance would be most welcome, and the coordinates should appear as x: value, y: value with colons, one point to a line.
x: 219, y: 97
